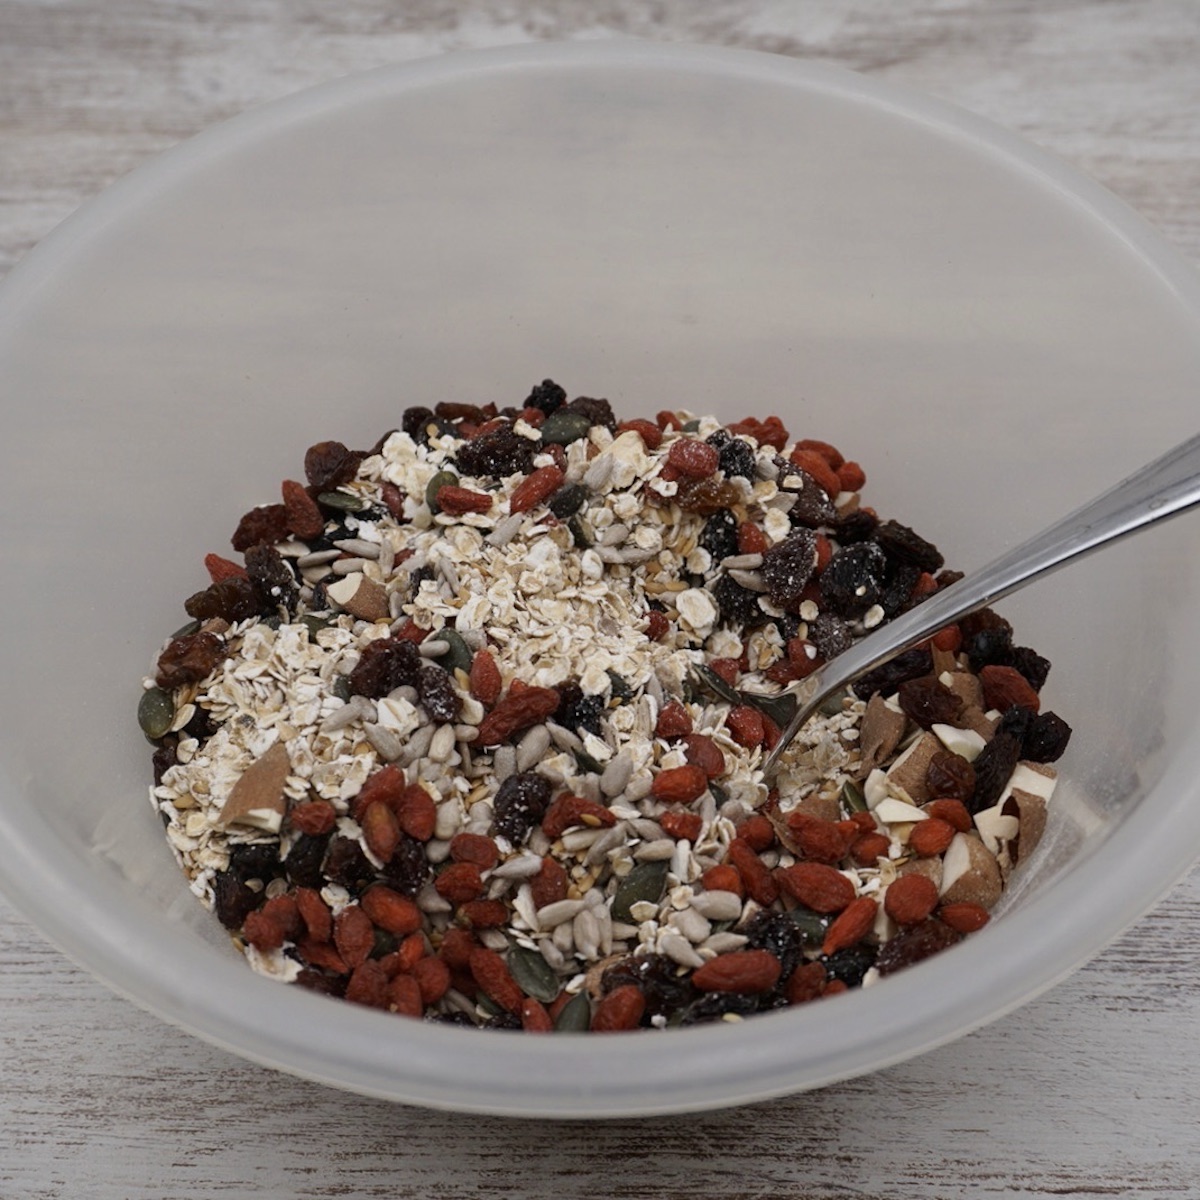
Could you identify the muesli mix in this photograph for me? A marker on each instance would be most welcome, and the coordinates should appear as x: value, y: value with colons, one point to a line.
x: 475, y: 729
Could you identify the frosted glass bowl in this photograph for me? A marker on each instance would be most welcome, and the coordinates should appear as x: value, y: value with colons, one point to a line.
x: 993, y: 336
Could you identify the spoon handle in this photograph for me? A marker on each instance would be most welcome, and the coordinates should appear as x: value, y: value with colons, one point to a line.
x: 1164, y: 488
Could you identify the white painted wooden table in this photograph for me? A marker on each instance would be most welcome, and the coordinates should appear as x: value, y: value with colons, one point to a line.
x: 1091, y: 1090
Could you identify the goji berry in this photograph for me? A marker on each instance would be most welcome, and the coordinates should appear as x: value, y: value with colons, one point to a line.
x: 219, y: 568
x: 684, y: 826
x: 492, y: 975
x: 807, y: 982
x: 621, y: 1009
x: 650, y: 433
x: 516, y: 712
x: 368, y: 985
x: 674, y: 721
x: 723, y: 878
x: 458, y: 500
x: 851, y: 477
x: 964, y: 917
x: 353, y: 935
x: 746, y: 725
x: 381, y: 831
x: 679, y: 785
x: 910, y: 899
x: 757, y: 832
x: 485, y: 680
x: 700, y: 749
x: 868, y: 849
x: 745, y: 972
x: 954, y: 812
x: 404, y: 996
x: 459, y: 883
x: 727, y: 668
x: 550, y: 884
x: 534, y: 1017
x: 759, y: 883
x: 390, y: 910
x: 851, y: 925
x: 476, y: 848
x: 770, y: 432
x: 751, y: 539
x: 483, y: 914
x: 393, y: 500
x: 318, y: 920
x: 831, y: 454
x: 416, y: 812
x: 263, y: 933
x: 314, y: 817
x: 819, y: 886
x: 455, y: 949
x: 820, y: 840
x: 821, y: 473
x: 657, y: 625
x: 433, y: 979
x: 931, y: 837
x: 304, y: 518
x: 536, y: 487
x: 667, y: 420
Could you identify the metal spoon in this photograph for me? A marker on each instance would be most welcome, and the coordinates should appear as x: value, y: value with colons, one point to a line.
x: 1164, y: 488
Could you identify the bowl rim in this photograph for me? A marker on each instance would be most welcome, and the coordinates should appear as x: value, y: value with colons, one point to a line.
x: 255, y: 1019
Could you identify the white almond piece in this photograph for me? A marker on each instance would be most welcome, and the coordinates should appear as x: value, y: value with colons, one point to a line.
x: 1029, y: 810
x: 892, y: 811
x: 258, y: 799
x: 907, y: 775
x: 995, y: 828
x: 970, y: 873
x: 360, y: 597
x: 960, y: 741
x: 1037, y: 779
x: 875, y: 789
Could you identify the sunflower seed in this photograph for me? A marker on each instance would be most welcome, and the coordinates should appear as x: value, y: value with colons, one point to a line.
x: 430, y: 900
x: 388, y: 745
x: 678, y: 949
x: 504, y: 762
x: 505, y: 530
x: 554, y: 914
x: 656, y: 851
x: 493, y: 939
x: 433, y: 648
x: 524, y: 866
x: 441, y: 745
x: 317, y: 558
x: 616, y: 775
x: 691, y: 924
x: 586, y: 931
x: 551, y: 953
x: 563, y: 938
x: 724, y: 942
x: 563, y: 738
x: 532, y: 747
x: 359, y: 546
x: 718, y: 905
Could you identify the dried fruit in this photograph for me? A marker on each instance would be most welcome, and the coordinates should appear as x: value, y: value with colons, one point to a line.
x: 964, y: 917
x: 497, y: 453
x: 459, y: 883
x: 520, y: 804
x: 680, y: 785
x: 476, y: 848
x: 620, y: 1010
x: 353, y: 935
x: 902, y: 543
x: 994, y: 766
x: 914, y: 944
x: 304, y: 519
x: 743, y: 971
x: 189, y: 659
x: 261, y: 526
x: 854, y: 580
x: 910, y: 899
x: 816, y: 885
x: 494, y: 979
x: 720, y: 535
x: 485, y: 677
x: 1046, y: 738
x: 568, y: 810
x: 539, y: 486
x: 1006, y: 687
x: 927, y: 701
x: 949, y: 774
x: 788, y: 566
x: 550, y: 884
x: 437, y: 693
x: 516, y: 712
x: 759, y: 883
x: 390, y: 910
x: 694, y: 459
x: 746, y: 725
x: 852, y: 924
x: 930, y: 837
x: 385, y: 665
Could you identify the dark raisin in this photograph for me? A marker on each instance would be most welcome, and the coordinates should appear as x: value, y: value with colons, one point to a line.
x: 854, y: 579
x: 830, y: 635
x: 720, y: 535
x: 599, y: 412
x: 329, y: 465
x: 983, y: 618
x: 857, y: 526
x: 950, y: 775
x: 458, y: 410
x: 274, y: 584
x: 267, y: 524
x: 988, y: 647
x: 739, y: 606
x: 898, y: 588
x: 189, y: 659
x: 993, y: 768
x: 498, y: 453
x: 415, y: 421
x: 408, y: 869
x: 945, y: 578
x: 547, y: 396
x: 520, y: 804
x: 347, y: 865
x: 233, y: 599
x: 719, y: 438
x: 812, y: 508
x: 1031, y: 664
x: 658, y: 978
x: 201, y: 726
x: 788, y: 566
x: 567, y: 501
x: 164, y: 758
x: 900, y: 542
x: 928, y: 701
x: 913, y: 944
x: 452, y: 1018
x: 717, y: 1005
x: 418, y: 577
x: 303, y: 863
x: 1046, y: 738
x: 737, y: 458
x: 503, y: 1020
x: 255, y: 860
x: 322, y: 982
x: 437, y: 693
x: 779, y: 934
x: 851, y: 964
x: 1016, y: 721
x: 912, y: 664
x: 385, y: 665
x: 577, y: 711
x: 233, y: 901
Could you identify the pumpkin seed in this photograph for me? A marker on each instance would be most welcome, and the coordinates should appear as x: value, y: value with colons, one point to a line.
x: 582, y: 541
x: 852, y: 797
x: 458, y: 655
x: 440, y: 480
x: 341, y: 688
x: 564, y: 427
x: 692, y: 426
x: 567, y: 501
x: 315, y: 625
x: 587, y: 764
x: 621, y: 689
x: 812, y: 925
x: 709, y: 679
x: 156, y: 713
x: 342, y: 501
x: 645, y: 882
x: 575, y: 1017
x: 533, y: 974
x: 186, y: 630
x: 831, y: 706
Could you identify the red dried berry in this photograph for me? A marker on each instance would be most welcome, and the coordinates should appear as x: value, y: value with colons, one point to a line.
x: 684, y: 826
x: 746, y: 725
x: 534, y: 1017
x: 261, y: 526
x: 751, y: 539
x: 315, y: 914
x: 910, y: 899
x: 822, y: 474
x: 381, y: 832
x: 727, y: 668
x: 433, y: 979
x: 964, y: 917
x: 701, y: 750
x: 757, y: 832
x: 314, y: 817
x: 219, y: 568
x: 493, y: 977
x: 483, y: 914
x: 550, y: 884
x: 954, y: 812
x: 456, y: 948
x: 304, y: 518
x: 868, y: 849
x: 930, y: 837
x: 485, y: 680
x: 567, y: 810
x: 459, y: 883
x: 458, y: 500
x: 404, y: 996
x: 516, y: 712
x: 368, y: 985
x: 536, y: 488
x: 817, y: 885
x: 657, y: 625
x: 851, y: 925
x: 353, y: 935
x: 680, y: 785
x: 759, y: 883
x: 695, y: 459
x: 745, y: 972
x: 476, y: 848
x: 390, y: 910
x: 723, y: 878
x: 416, y: 812
x: 770, y: 432
x: 650, y: 433
x: 807, y: 982
x: 674, y: 721
x: 620, y: 1010
x: 820, y: 840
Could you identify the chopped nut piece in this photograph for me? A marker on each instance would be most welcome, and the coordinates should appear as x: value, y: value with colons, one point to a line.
x: 257, y: 799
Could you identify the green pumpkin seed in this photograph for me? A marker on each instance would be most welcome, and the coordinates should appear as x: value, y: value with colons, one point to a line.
x: 853, y: 799
x: 831, y: 706
x: 564, y: 427
x: 582, y: 541
x: 709, y: 679
x: 587, y: 763
x: 440, y: 480
x: 533, y: 974
x: 156, y: 713
x: 315, y: 625
x: 186, y: 630
x: 621, y: 689
x: 489, y: 1005
x: 645, y: 882
x: 459, y: 656
x: 341, y: 688
x: 720, y: 795
x: 812, y: 925
x: 692, y: 426
x: 342, y: 501
x: 575, y: 1017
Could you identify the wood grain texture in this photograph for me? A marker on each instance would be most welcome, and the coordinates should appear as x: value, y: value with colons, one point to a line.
x: 1089, y: 1091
